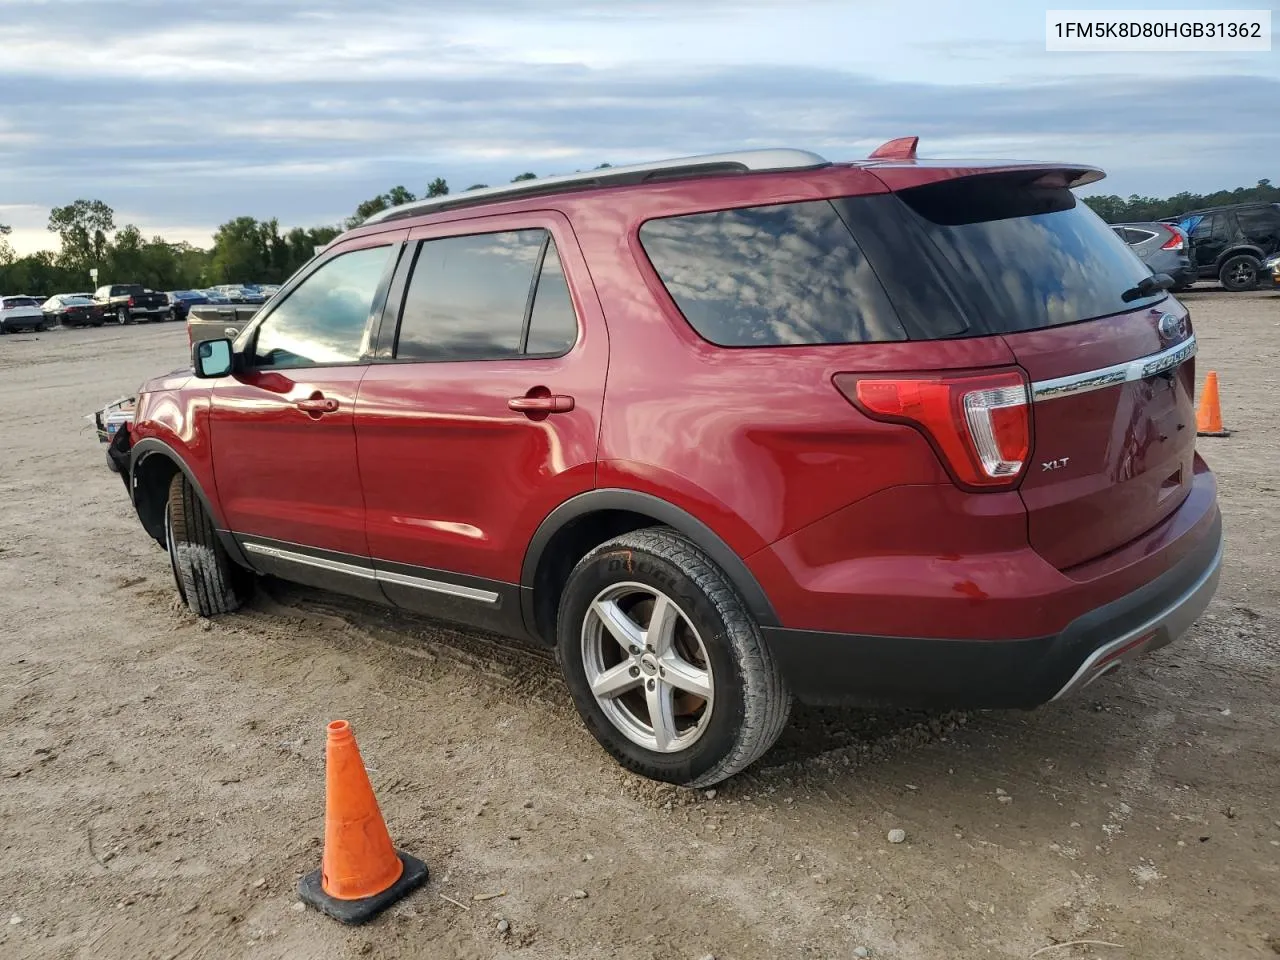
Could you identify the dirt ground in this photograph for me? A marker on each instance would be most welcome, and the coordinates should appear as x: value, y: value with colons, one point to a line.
x: 161, y: 779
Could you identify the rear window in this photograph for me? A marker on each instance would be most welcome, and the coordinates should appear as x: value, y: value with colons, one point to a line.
x: 10, y: 302
x: 781, y: 275
x: 1024, y: 257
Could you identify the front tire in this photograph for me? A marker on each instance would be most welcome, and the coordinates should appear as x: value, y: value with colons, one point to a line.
x: 1240, y: 273
x: 666, y: 666
x: 208, y: 581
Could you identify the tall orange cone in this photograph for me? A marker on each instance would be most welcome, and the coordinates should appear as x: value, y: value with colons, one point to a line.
x: 361, y: 873
x: 1209, y: 415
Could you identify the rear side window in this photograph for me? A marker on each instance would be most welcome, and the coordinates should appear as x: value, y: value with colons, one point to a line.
x: 491, y: 296
x: 782, y: 275
x: 1024, y: 257
x: 1260, y: 224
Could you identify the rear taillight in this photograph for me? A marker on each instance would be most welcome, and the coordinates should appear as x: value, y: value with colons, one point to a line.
x: 131, y: 303
x: 980, y: 424
x: 1174, y: 242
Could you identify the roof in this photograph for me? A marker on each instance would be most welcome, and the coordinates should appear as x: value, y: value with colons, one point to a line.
x: 712, y: 164
x: 894, y: 163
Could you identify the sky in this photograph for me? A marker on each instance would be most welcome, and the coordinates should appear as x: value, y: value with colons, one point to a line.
x: 181, y: 115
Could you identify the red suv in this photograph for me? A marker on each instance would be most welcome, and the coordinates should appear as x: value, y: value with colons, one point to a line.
x: 724, y: 431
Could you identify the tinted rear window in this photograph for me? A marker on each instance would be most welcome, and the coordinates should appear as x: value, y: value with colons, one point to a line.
x: 1025, y: 257
x: 782, y: 275
x: 10, y: 302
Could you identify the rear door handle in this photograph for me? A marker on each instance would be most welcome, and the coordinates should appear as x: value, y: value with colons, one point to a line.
x: 318, y: 405
x: 552, y: 404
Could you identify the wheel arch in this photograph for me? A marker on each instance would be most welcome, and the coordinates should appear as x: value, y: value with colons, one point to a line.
x: 589, y: 519
x: 1242, y: 249
x: 152, y: 465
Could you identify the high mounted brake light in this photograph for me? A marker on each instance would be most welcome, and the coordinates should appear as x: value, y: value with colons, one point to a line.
x: 980, y: 424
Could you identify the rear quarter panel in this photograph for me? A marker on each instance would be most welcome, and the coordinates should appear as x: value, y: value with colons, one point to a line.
x: 755, y: 442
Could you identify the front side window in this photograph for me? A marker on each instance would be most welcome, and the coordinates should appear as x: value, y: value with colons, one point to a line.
x: 1203, y: 227
x: 488, y: 296
x: 784, y: 275
x: 324, y: 319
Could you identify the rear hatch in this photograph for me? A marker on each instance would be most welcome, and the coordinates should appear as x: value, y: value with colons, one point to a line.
x: 1112, y: 380
x: 21, y: 307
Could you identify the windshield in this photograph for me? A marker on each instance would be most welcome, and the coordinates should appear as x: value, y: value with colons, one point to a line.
x: 1025, y: 256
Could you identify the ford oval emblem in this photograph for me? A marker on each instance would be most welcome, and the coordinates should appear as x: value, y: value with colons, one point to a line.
x: 1171, y: 327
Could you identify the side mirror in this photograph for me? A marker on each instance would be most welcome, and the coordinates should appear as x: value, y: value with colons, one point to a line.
x: 212, y: 358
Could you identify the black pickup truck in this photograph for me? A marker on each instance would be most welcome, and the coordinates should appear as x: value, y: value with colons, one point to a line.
x: 127, y: 302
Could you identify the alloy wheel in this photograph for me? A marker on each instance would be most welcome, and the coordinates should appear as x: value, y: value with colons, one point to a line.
x: 647, y: 667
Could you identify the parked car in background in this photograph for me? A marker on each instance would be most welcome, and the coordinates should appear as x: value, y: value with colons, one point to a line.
x: 218, y: 321
x: 181, y: 301
x: 240, y: 293
x: 21, y: 313
x: 970, y: 406
x: 213, y: 296
x: 1230, y: 243
x: 1163, y: 247
x: 1272, y: 266
x: 127, y: 302
x: 72, y: 310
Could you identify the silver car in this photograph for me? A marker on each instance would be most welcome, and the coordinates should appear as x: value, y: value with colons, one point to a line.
x: 1163, y: 247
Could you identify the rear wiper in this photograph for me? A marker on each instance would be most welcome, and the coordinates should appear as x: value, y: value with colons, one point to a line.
x: 1147, y: 286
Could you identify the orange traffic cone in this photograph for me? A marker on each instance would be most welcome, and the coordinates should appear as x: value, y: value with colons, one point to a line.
x: 1209, y: 415
x: 361, y: 873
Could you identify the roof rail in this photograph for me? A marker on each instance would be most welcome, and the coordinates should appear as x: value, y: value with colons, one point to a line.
x: 743, y: 161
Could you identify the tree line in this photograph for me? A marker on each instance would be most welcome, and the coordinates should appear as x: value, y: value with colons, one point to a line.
x: 244, y: 250
x: 1136, y: 209
x: 248, y: 250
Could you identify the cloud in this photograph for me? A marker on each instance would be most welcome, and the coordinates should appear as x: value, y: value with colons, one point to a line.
x: 189, y: 113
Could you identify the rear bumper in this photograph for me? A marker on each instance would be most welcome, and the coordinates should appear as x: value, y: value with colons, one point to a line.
x: 835, y: 668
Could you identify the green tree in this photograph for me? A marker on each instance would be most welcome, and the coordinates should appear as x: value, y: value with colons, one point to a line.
x: 524, y: 176
x: 7, y: 255
x: 398, y: 195
x: 437, y: 188
x: 238, y: 254
x: 82, y: 228
x: 477, y: 186
x: 384, y: 201
x: 1115, y: 209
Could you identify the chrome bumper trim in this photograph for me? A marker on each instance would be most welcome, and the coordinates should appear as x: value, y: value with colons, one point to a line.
x: 1163, y: 628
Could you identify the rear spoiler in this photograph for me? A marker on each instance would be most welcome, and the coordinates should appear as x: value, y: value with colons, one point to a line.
x: 899, y: 175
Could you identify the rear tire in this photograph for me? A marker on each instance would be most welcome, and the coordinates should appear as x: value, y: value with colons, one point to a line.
x: 208, y: 581
x: 711, y: 643
x: 1240, y: 273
